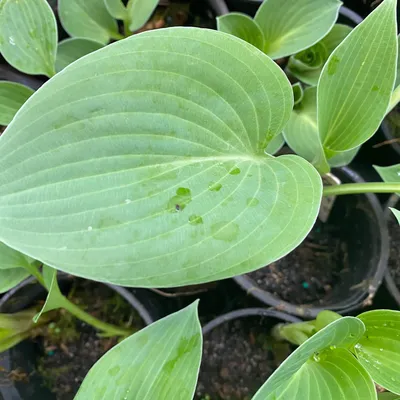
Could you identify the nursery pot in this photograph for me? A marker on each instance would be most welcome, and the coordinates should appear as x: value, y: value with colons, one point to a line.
x: 19, y: 375
x: 239, y: 354
x: 355, y: 249
x: 392, y: 275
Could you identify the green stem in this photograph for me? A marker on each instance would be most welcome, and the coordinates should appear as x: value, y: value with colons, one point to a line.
x: 357, y: 188
x: 394, y: 100
x: 116, y: 36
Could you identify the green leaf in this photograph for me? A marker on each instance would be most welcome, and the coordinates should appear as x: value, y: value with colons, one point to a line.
x: 396, y: 213
x: 379, y: 348
x: 298, y: 93
x: 9, y: 278
x: 139, y: 12
x: 117, y: 9
x: 291, y: 26
x: 342, y: 158
x: 275, y: 144
x: 10, y: 258
x: 322, y: 367
x: 70, y: 50
x: 389, y: 174
x: 307, y: 65
x: 159, y: 362
x: 88, y: 19
x: 301, y: 132
x: 28, y: 36
x: 243, y: 27
x: 12, y: 97
x: 388, y: 396
x: 157, y: 158
x: 357, y: 81
x: 54, y: 299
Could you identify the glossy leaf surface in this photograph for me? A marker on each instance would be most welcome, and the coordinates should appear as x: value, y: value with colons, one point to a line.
x: 379, y: 348
x: 12, y: 97
x: 309, y: 369
x: 88, y: 19
x: 157, y: 158
x: 357, y: 81
x: 243, y: 27
x: 70, y: 50
x: 28, y: 36
x: 291, y: 26
x: 159, y: 362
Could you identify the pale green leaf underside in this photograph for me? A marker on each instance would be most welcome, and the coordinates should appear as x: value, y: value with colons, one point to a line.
x: 396, y: 214
x: 389, y: 174
x: 139, y: 12
x: 275, y: 145
x: 116, y: 9
x: 378, y: 350
x: 243, y: 27
x: 357, y: 81
x: 342, y: 334
x: 9, y: 278
x: 291, y: 26
x: 10, y: 258
x: 398, y: 63
x: 12, y: 97
x: 343, y: 158
x: 70, y: 50
x: 298, y: 93
x: 28, y: 36
x: 159, y: 362
x: 388, y: 396
x: 87, y: 19
x: 152, y: 172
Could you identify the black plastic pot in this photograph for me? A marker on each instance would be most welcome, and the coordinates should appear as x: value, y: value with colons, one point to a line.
x: 394, y: 201
x: 24, y: 354
x: 364, y: 230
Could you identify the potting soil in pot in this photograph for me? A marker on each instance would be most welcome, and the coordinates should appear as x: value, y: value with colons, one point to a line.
x: 69, y: 347
x: 307, y: 274
x: 238, y: 357
x: 394, y: 257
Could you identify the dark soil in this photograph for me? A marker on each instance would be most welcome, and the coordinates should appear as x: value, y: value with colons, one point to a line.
x: 394, y: 257
x: 308, y: 274
x: 71, y: 348
x: 238, y: 357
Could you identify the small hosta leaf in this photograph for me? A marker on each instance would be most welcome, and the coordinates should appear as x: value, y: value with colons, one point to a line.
x: 159, y: 362
x: 9, y: 278
x: 357, y: 81
x: 243, y: 27
x: 379, y: 348
x: 70, y: 50
x: 291, y: 26
x: 396, y: 214
x: 139, y: 12
x: 28, y: 36
x: 117, y: 9
x: 88, y: 19
x: 10, y: 258
x: 389, y: 174
x: 157, y: 158
x: 309, y: 369
x: 12, y: 97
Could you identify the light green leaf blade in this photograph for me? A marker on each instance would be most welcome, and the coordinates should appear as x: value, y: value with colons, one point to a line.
x: 388, y: 396
x: 291, y: 26
x: 275, y: 144
x: 10, y: 258
x: 343, y: 158
x: 54, y: 298
x: 396, y: 214
x: 340, y: 334
x: 398, y: 64
x: 243, y: 27
x: 28, y: 36
x: 378, y: 350
x: 139, y: 12
x: 176, y: 169
x: 307, y: 65
x: 159, y: 362
x: 301, y: 132
x: 117, y: 9
x: 70, y: 50
x: 389, y: 174
x: 88, y: 19
x: 9, y: 278
x: 12, y: 97
x: 357, y: 81
x: 298, y: 93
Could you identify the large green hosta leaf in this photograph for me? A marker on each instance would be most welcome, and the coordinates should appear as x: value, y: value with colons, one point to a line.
x: 159, y: 362
x: 143, y: 164
x: 291, y: 26
x: 356, y: 83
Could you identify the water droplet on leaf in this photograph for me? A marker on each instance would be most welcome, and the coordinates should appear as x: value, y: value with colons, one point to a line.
x: 90, y: 228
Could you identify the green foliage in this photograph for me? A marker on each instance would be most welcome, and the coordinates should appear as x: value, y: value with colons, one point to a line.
x: 357, y: 81
x: 88, y: 19
x: 117, y: 9
x: 389, y: 174
x: 70, y: 50
x: 298, y: 93
x: 159, y: 362
x: 12, y: 97
x: 388, y: 396
x: 28, y: 36
x: 307, y: 65
x: 161, y: 135
x: 139, y: 11
x: 396, y: 213
x: 11, y: 277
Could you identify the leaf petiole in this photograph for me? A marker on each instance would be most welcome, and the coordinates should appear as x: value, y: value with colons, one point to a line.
x: 357, y: 188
